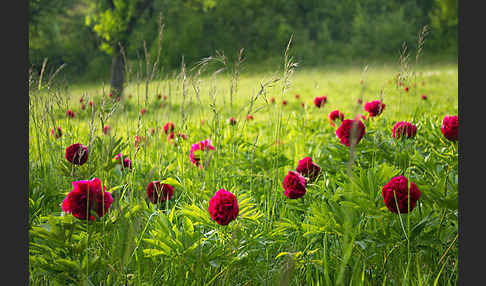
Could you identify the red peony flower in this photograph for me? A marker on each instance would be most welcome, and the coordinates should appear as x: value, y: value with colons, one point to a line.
x: 106, y: 129
x: 249, y: 117
x: 335, y: 115
x: 374, y: 107
x: 182, y: 135
x: 297, y: 96
x: 319, y: 101
x: 398, y: 187
x: 308, y: 169
x: 158, y: 192
x: 232, y: 121
x: 424, y: 97
x: 110, y: 95
x: 284, y: 102
x: 168, y: 127
x: 294, y: 185
x: 56, y: 132
x: 302, y: 104
x: 118, y: 98
x: 90, y: 103
x: 77, y: 154
x: 159, y: 96
x: 70, y: 113
x: 81, y: 100
x: 83, y: 107
x: 143, y: 111
x: 449, y: 127
x: 223, y: 207
x: 127, y: 163
x: 406, y: 89
x: 405, y: 129
x: 170, y: 136
x: 196, y: 149
x: 350, y: 128
x: 87, y: 198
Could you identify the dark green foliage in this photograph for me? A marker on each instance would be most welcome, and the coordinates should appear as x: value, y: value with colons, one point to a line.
x: 324, y: 31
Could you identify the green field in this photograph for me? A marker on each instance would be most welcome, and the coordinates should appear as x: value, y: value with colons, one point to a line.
x: 339, y: 233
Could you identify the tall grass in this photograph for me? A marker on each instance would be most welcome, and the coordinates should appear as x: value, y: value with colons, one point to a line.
x: 339, y: 233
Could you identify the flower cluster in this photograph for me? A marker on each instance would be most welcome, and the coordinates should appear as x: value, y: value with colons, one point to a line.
x: 223, y: 207
x: 350, y: 131
x: 404, y: 129
x: 450, y: 127
x: 320, y: 101
x: 197, y: 149
x: 397, y: 193
x: 77, y: 154
x: 335, y: 115
x: 374, y: 107
x: 158, y: 192
x: 86, y: 199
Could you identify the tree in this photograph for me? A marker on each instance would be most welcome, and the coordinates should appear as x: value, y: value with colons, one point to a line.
x: 113, y: 21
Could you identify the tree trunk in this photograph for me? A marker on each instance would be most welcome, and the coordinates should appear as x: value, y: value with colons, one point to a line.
x: 117, y: 73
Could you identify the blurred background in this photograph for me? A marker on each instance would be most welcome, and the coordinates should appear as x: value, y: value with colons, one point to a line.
x: 86, y: 35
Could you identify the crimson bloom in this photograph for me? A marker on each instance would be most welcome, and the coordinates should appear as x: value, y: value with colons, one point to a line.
x: 350, y: 128
x: 232, y: 121
x: 106, y: 129
x: 127, y: 163
x: 83, y: 107
x: 223, y: 207
x: 294, y: 185
x: 308, y: 169
x: 302, y: 104
x: 143, y: 111
x: 398, y: 187
x: 374, y: 107
x: 90, y: 103
x: 249, y: 117
x: 297, y: 96
x: 424, y: 97
x: 86, y: 198
x: 56, y: 132
x: 77, y: 154
x: 170, y: 136
x: 320, y: 100
x: 158, y: 192
x: 404, y: 129
x: 406, y: 89
x: 168, y: 127
x: 159, y: 96
x: 182, y: 135
x: 70, y: 113
x: 197, y: 148
x: 284, y: 102
x: 449, y: 127
x: 335, y: 115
